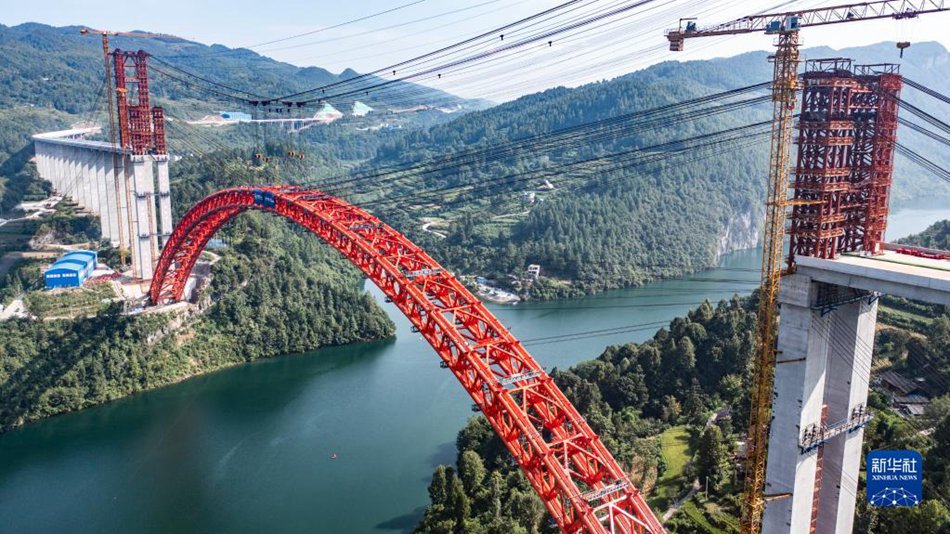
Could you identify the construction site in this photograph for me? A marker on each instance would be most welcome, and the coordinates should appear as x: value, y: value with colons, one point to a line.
x: 826, y: 263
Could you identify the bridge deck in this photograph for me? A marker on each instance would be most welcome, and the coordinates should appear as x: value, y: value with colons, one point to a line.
x: 76, y: 138
x: 895, y: 274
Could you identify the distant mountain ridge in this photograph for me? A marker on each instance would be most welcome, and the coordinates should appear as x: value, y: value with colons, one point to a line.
x: 52, y: 78
x: 629, y: 225
x: 47, y: 66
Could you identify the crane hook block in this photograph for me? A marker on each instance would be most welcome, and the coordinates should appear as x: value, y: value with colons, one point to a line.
x: 901, y: 45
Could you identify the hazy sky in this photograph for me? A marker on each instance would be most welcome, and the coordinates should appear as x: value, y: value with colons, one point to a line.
x: 629, y: 44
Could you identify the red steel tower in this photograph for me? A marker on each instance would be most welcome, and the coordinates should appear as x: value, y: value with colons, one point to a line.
x: 141, y: 127
x: 823, y: 167
x: 847, y: 132
x: 877, y: 169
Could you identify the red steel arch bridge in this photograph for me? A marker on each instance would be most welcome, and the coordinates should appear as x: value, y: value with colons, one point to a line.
x: 580, y: 483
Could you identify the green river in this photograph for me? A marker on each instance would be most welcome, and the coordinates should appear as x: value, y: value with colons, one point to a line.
x: 249, y: 449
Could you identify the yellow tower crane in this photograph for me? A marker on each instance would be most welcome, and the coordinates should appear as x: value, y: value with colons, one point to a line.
x: 785, y: 27
x: 110, y: 103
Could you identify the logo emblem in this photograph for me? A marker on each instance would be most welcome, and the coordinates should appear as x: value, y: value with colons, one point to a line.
x: 894, y: 478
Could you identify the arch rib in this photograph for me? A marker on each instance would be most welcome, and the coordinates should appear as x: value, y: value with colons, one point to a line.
x: 580, y: 483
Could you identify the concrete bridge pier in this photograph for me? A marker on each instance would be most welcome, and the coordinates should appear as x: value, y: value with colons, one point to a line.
x: 822, y: 374
x: 79, y: 183
x: 164, y: 199
x: 78, y: 178
x: 111, y: 215
x: 72, y: 172
x: 99, y: 178
x: 800, y: 373
x: 50, y: 169
x: 144, y: 216
x: 88, y: 180
x: 124, y: 203
x: 101, y: 186
x: 846, y: 393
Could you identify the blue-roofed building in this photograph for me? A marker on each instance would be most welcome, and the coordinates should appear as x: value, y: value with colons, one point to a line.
x: 71, y: 270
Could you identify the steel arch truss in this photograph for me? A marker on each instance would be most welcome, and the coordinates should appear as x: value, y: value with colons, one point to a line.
x: 580, y: 483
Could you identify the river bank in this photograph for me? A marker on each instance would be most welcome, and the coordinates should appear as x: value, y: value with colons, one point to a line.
x: 250, y: 448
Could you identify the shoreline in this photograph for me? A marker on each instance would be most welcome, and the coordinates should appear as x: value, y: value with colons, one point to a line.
x: 183, y: 378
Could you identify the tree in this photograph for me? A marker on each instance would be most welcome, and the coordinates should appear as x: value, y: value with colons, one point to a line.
x: 630, y: 390
x: 930, y: 516
x: 693, y: 405
x: 496, y: 491
x: 671, y: 409
x: 439, y: 487
x: 937, y: 411
x: 525, y: 508
x: 459, y: 504
x: 471, y: 471
x: 712, y: 459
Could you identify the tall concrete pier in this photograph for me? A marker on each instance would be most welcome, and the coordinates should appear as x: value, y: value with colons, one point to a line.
x: 822, y: 374
x: 129, y: 193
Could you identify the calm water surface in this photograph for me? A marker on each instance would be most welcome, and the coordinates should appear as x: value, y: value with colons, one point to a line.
x: 248, y: 449
x: 911, y: 221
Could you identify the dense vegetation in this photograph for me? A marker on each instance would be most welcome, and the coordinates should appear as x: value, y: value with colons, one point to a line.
x: 275, y: 291
x: 44, y: 65
x: 918, y: 338
x: 937, y: 236
x: 633, y: 393
x: 602, y: 229
x: 629, y: 395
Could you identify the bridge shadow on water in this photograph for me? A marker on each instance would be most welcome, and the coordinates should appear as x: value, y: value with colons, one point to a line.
x: 403, y: 523
x: 445, y: 454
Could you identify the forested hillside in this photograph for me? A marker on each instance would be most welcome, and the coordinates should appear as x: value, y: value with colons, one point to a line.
x: 52, y: 78
x: 56, y: 67
x: 651, y: 403
x: 937, y: 236
x: 599, y: 229
x: 613, y: 225
x: 274, y: 291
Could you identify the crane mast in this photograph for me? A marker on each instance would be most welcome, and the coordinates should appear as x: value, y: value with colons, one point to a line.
x: 112, y: 131
x: 784, y: 100
x: 785, y: 26
x: 117, y: 160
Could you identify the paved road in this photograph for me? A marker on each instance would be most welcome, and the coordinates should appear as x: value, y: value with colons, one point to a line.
x: 427, y: 224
